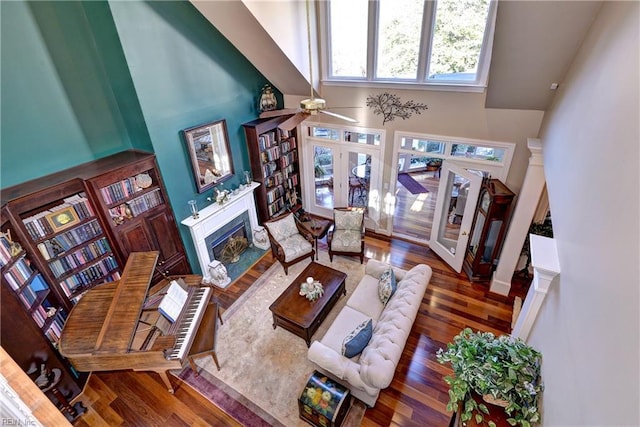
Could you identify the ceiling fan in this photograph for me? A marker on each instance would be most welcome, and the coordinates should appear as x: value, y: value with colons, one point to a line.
x: 308, y: 107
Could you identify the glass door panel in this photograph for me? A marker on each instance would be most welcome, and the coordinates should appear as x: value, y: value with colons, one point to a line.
x: 323, y: 166
x: 457, y: 198
x: 358, y: 179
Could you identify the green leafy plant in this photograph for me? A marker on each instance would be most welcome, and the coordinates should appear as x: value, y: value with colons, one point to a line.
x: 503, y: 368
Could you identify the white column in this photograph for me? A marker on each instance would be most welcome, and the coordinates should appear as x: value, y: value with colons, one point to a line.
x: 544, y: 259
x: 521, y: 220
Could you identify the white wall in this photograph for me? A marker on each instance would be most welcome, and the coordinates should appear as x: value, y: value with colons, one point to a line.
x: 588, y: 327
x: 453, y: 114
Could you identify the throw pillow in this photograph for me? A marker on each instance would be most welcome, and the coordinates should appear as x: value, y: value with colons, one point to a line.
x: 357, y: 339
x: 386, y: 285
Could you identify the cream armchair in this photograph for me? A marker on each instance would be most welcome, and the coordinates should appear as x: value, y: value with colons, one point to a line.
x: 346, y: 237
x: 290, y: 243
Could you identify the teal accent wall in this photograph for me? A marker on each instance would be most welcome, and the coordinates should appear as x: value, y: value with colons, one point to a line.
x: 83, y: 80
x: 59, y: 108
x: 185, y: 74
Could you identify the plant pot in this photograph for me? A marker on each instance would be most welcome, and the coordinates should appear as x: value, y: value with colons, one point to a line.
x: 496, y: 414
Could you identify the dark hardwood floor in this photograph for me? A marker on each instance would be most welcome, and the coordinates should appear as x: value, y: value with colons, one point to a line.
x: 416, y: 397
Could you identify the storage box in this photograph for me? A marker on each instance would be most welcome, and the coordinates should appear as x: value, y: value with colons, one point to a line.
x: 323, y: 402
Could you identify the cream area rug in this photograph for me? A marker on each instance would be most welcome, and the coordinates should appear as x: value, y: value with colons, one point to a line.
x: 268, y: 367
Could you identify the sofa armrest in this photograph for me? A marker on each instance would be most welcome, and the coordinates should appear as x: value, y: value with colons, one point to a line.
x: 339, y: 366
x: 374, y: 268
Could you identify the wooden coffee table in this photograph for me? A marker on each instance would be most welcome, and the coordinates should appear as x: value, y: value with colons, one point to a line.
x: 298, y: 315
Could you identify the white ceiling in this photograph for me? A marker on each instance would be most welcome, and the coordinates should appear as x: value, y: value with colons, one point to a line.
x: 535, y: 42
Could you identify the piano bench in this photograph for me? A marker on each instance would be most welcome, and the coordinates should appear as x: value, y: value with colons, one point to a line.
x: 204, y: 343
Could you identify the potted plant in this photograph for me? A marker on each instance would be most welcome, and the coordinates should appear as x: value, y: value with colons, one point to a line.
x: 502, y: 370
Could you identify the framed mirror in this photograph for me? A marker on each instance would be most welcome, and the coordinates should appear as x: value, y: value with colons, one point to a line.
x: 210, y: 154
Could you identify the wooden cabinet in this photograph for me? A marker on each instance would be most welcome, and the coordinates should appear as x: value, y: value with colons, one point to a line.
x: 68, y: 232
x: 275, y: 164
x: 133, y: 201
x: 488, y: 230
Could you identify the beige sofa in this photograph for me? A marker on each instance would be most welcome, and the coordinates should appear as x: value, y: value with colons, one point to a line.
x: 373, y: 369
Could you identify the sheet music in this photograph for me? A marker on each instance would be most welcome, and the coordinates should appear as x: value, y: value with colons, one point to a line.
x: 173, y: 302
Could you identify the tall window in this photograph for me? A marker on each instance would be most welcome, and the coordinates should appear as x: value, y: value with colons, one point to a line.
x: 432, y: 42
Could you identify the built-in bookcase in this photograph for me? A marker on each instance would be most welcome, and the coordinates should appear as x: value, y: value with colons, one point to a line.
x: 275, y: 164
x: 72, y: 242
x: 66, y: 233
x: 30, y: 287
x: 32, y: 314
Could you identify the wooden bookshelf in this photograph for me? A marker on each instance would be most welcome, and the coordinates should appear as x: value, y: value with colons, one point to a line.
x: 275, y: 163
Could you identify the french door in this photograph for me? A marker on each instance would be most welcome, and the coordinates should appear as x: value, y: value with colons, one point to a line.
x: 457, y: 198
x: 341, y: 173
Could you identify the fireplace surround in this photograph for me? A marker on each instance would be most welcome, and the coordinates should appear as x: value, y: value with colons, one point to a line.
x: 217, y: 221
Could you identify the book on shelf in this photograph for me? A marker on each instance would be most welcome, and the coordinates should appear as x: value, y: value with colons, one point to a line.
x: 173, y: 302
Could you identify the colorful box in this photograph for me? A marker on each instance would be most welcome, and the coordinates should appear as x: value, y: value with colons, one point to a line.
x: 324, y: 402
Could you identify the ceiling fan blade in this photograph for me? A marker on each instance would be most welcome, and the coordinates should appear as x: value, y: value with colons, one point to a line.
x: 293, y: 121
x: 276, y: 113
x: 339, y: 116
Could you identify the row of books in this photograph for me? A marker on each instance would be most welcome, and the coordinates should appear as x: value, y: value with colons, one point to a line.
x: 63, y: 242
x: 18, y: 273
x: 146, y: 202
x: 89, y: 275
x: 269, y: 168
x: 119, y: 191
x: 39, y: 225
x: 292, y: 181
x: 289, y: 170
x: 288, y: 159
x: 55, y: 329
x: 266, y: 140
x: 288, y: 145
x: 80, y: 257
x: 275, y: 179
x: 275, y: 207
x: 40, y: 313
x: 136, y: 206
x: 5, y: 250
x: 270, y: 154
x: 33, y: 290
x: 275, y: 193
x: 106, y: 279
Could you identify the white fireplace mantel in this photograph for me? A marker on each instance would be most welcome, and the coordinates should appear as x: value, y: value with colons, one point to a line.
x: 215, y: 216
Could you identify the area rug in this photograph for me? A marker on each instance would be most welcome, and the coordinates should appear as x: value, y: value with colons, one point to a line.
x: 263, y: 369
x: 413, y: 186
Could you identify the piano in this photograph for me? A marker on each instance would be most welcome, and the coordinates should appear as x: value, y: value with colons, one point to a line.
x: 117, y: 325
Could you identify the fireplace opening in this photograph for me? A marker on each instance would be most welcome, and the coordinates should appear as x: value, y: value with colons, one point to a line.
x: 229, y: 239
x: 230, y: 246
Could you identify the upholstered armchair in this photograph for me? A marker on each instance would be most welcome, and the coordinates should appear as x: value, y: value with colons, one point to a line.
x: 290, y: 243
x: 346, y: 236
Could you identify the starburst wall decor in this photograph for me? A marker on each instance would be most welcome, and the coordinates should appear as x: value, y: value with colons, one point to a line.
x: 390, y: 106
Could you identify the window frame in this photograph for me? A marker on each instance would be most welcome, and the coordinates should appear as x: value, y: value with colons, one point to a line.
x: 422, y: 81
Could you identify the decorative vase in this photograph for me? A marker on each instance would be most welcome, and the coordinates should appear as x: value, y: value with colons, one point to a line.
x: 193, y: 206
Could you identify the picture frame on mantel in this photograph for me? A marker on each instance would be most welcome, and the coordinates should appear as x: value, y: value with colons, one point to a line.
x: 210, y: 153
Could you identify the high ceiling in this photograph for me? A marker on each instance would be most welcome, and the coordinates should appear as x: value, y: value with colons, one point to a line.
x: 534, y: 45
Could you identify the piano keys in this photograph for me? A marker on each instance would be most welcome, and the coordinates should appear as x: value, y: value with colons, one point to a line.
x: 117, y: 326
